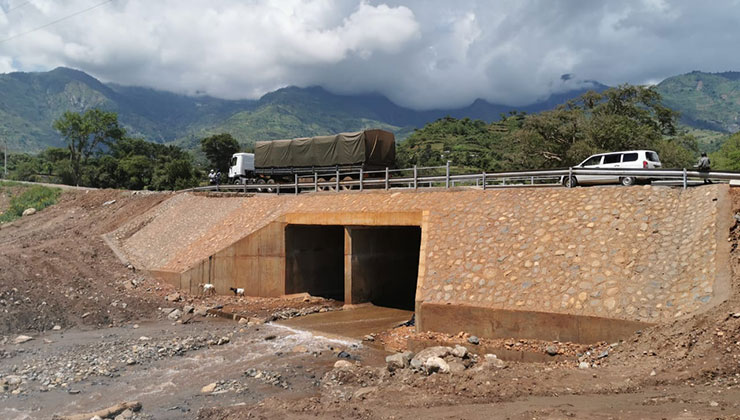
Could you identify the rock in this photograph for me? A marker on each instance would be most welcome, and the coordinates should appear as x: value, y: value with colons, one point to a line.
x: 13, y: 380
x: 456, y: 367
x: 56, y: 328
x: 736, y: 315
x: 187, y: 309
x: 551, y: 350
x: 243, y: 321
x: 436, y: 365
x: 436, y: 351
x: 713, y: 404
x: 22, y: 339
x: 256, y: 321
x: 344, y: 355
x: 398, y: 361
x: 416, y: 364
x: 368, y: 338
x: 208, y: 388
x: 174, y: 297
x: 201, y: 310
x: 493, y: 360
x: 166, y: 311
x: 109, y: 202
x: 652, y: 372
x: 603, y: 354
x: 222, y: 340
x: 343, y: 364
x: 361, y: 393
x: 28, y: 212
x: 300, y: 349
x: 583, y: 365
x: 473, y: 340
x: 459, y: 351
x: 174, y: 315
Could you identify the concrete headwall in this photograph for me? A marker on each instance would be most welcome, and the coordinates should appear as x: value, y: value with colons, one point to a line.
x: 639, y: 254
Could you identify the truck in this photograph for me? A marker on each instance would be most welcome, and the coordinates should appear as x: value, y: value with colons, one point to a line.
x: 279, y: 161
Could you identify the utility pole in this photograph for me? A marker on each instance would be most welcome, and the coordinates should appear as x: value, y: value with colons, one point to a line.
x: 5, y: 165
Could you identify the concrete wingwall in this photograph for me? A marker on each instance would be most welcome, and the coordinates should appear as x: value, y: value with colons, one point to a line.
x: 602, y: 259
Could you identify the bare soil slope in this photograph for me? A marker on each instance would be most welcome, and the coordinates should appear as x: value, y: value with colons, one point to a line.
x: 56, y: 269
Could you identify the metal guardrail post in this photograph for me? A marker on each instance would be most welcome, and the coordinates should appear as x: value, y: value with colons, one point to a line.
x: 531, y: 179
x: 447, y: 175
x: 361, y: 174
x: 296, y: 184
x: 685, y: 180
x: 315, y: 182
x: 278, y: 189
x: 484, y: 180
x: 387, y: 181
x: 570, y: 177
x: 337, y: 180
x: 416, y: 177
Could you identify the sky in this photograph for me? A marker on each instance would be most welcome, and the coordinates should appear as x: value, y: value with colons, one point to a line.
x: 422, y: 54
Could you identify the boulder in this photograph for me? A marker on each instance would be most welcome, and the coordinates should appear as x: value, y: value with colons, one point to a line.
x: 456, y: 367
x: 551, y: 350
x: 398, y: 361
x: 361, y: 393
x: 493, y: 361
x: 343, y: 364
x: 22, y: 339
x: 174, y: 297
x: 208, y: 388
x: 436, y: 351
x: 459, y: 351
x: 201, y: 310
x: 174, y: 315
x: 436, y: 364
x: 29, y: 211
x: 474, y: 340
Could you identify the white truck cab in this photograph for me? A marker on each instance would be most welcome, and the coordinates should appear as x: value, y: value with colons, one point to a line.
x: 241, y: 167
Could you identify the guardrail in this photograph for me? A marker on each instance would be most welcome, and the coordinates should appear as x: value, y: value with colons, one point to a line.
x: 416, y: 177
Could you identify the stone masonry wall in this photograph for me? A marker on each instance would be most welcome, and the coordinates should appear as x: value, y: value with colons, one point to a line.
x: 638, y: 253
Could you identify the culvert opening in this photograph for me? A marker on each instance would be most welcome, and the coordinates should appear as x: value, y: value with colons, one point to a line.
x: 354, y: 264
x: 315, y: 260
x: 385, y: 265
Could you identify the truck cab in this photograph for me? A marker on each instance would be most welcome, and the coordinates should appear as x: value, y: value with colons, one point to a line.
x: 241, y: 167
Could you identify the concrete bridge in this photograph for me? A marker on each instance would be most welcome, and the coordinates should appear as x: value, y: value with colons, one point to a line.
x: 581, y: 265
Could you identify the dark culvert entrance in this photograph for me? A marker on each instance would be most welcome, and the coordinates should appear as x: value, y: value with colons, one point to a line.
x: 385, y: 265
x: 354, y: 264
x: 315, y: 260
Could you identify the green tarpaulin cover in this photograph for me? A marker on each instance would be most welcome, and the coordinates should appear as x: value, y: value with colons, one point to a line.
x: 370, y: 148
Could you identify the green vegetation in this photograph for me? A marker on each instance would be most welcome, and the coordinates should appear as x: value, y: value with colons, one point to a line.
x: 727, y: 158
x: 708, y: 101
x: 123, y: 162
x: 623, y: 118
x: 36, y: 196
x: 218, y: 149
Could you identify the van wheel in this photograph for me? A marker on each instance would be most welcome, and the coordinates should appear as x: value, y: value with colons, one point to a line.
x: 627, y: 181
x: 570, y: 181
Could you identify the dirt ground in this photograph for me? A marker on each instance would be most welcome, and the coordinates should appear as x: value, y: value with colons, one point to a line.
x: 115, y: 344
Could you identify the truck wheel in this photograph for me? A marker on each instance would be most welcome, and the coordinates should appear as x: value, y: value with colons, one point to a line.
x: 271, y: 182
x: 322, y: 187
x: 347, y: 187
x: 627, y: 181
x: 261, y: 181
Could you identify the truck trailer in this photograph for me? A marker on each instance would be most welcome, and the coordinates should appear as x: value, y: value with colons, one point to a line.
x: 281, y: 160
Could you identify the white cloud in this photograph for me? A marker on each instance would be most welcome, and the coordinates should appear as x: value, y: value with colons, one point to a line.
x: 420, y: 53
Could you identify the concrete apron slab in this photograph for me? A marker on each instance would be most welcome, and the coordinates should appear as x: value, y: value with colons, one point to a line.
x: 350, y: 323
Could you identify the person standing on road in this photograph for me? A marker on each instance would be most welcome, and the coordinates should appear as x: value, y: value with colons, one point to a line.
x: 704, y: 165
x: 212, y: 177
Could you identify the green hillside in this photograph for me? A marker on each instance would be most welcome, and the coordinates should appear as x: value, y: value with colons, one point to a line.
x: 709, y: 101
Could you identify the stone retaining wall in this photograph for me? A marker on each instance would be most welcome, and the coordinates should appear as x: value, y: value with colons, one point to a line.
x: 636, y: 254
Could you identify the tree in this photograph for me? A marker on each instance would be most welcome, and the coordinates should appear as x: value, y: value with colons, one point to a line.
x: 85, y: 134
x: 218, y: 149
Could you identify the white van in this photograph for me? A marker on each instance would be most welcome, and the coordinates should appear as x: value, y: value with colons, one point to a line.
x: 629, y: 159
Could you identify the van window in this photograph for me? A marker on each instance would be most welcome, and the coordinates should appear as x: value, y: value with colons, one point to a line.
x: 652, y: 156
x: 613, y: 158
x: 593, y: 160
x: 629, y: 157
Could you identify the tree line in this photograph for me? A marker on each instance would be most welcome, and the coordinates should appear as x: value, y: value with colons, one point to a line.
x: 623, y: 118
x: 99, y: 153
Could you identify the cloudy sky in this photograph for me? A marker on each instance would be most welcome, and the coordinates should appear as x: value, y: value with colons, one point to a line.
x: 420, y: 53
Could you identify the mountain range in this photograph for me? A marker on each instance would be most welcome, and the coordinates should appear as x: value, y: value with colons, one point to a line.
x: 30, y: 102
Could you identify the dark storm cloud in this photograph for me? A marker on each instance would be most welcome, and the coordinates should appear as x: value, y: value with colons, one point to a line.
x: 423, y: 54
